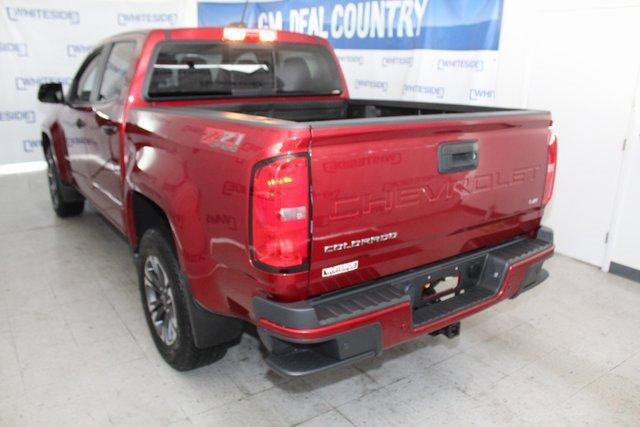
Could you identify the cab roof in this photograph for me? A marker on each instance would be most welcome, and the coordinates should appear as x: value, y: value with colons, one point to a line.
x: 218, y: 34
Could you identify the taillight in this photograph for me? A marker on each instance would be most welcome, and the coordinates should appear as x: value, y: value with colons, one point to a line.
x: 552, y: 160
x: 280, y: 214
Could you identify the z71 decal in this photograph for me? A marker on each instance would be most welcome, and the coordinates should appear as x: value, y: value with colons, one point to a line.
x: 222, y: 139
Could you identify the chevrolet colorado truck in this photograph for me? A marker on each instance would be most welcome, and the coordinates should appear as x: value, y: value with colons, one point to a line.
x: 251, y: 188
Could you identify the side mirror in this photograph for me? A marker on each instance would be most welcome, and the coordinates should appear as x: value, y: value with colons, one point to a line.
x: 51, y: 93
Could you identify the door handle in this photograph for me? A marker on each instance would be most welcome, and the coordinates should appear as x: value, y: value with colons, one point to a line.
x: 109, y: 130
x: 457, y: 156
x: 80, y: 123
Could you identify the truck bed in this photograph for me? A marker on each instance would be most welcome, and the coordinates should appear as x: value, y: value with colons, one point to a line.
x: 354, y: 109
x: 386, y: 195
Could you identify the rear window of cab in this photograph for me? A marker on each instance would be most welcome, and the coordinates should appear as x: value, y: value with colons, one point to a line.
x: 184, y: 70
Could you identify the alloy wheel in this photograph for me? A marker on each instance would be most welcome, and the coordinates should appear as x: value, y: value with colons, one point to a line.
x: 53, y: 183
x: 160, y: 300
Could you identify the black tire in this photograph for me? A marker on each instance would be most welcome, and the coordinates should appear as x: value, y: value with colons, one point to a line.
x: 182, y: 354
x: 60, y: 192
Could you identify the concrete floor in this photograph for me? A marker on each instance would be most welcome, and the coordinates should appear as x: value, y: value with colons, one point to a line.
x: 75, y: 350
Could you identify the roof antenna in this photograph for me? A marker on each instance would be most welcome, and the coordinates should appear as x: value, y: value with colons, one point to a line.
x: 241, y: 23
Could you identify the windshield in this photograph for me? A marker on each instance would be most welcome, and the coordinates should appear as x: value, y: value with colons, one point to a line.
x: 201, y: 69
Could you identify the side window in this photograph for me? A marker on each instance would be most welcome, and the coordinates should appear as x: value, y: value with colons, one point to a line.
x: 120, y: 59
x: 86, y: 80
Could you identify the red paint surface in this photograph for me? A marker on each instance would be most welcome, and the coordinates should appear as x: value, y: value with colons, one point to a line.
x: 380, y: 179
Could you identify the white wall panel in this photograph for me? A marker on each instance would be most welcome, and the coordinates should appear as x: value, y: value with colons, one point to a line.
x: 576, y: 59
x: 46, y: 40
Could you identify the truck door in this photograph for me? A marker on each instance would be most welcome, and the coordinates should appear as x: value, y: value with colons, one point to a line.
x: 76, y: 117
x: 107, y: 113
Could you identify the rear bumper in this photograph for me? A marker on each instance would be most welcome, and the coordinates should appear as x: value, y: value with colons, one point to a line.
x: 343, y: 327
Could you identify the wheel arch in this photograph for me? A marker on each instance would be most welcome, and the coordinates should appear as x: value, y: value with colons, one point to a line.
x: 146, y: 214
x: 45, y: 142
x: 209, y: 329
x: 52, y: 138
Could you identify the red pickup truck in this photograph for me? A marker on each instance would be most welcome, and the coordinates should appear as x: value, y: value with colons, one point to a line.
x: 253, y: 189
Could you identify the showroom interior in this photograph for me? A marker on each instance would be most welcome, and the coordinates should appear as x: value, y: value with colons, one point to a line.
x: 75, y: 346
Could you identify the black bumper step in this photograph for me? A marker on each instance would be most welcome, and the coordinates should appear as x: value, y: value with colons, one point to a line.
x: 331, y: 310
x: 480, y: 276
x: 481, y: 270
x: 431, y: 313
x: 295, y: 359
x: 305, y: 361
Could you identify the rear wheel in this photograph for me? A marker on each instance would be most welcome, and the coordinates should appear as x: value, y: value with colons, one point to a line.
x: 60, y: 192
x: 165, y: 302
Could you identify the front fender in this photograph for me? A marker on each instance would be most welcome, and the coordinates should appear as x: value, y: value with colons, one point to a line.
x: 52, y: 130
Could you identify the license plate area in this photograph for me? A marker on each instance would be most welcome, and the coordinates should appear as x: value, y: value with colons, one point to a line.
x: 480, y: 274
x: 441, y: 288
x: 451, y: 287
x: 447, y: 282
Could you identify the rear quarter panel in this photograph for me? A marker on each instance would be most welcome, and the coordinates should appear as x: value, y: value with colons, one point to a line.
x: 197, y: 169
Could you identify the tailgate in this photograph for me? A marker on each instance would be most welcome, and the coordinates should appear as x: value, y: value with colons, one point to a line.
x: 397, y: 193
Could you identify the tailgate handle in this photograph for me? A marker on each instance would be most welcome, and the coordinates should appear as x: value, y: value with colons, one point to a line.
x: 457, y: 156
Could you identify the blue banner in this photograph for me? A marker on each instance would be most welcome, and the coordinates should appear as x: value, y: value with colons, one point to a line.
x: 402, y: 25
